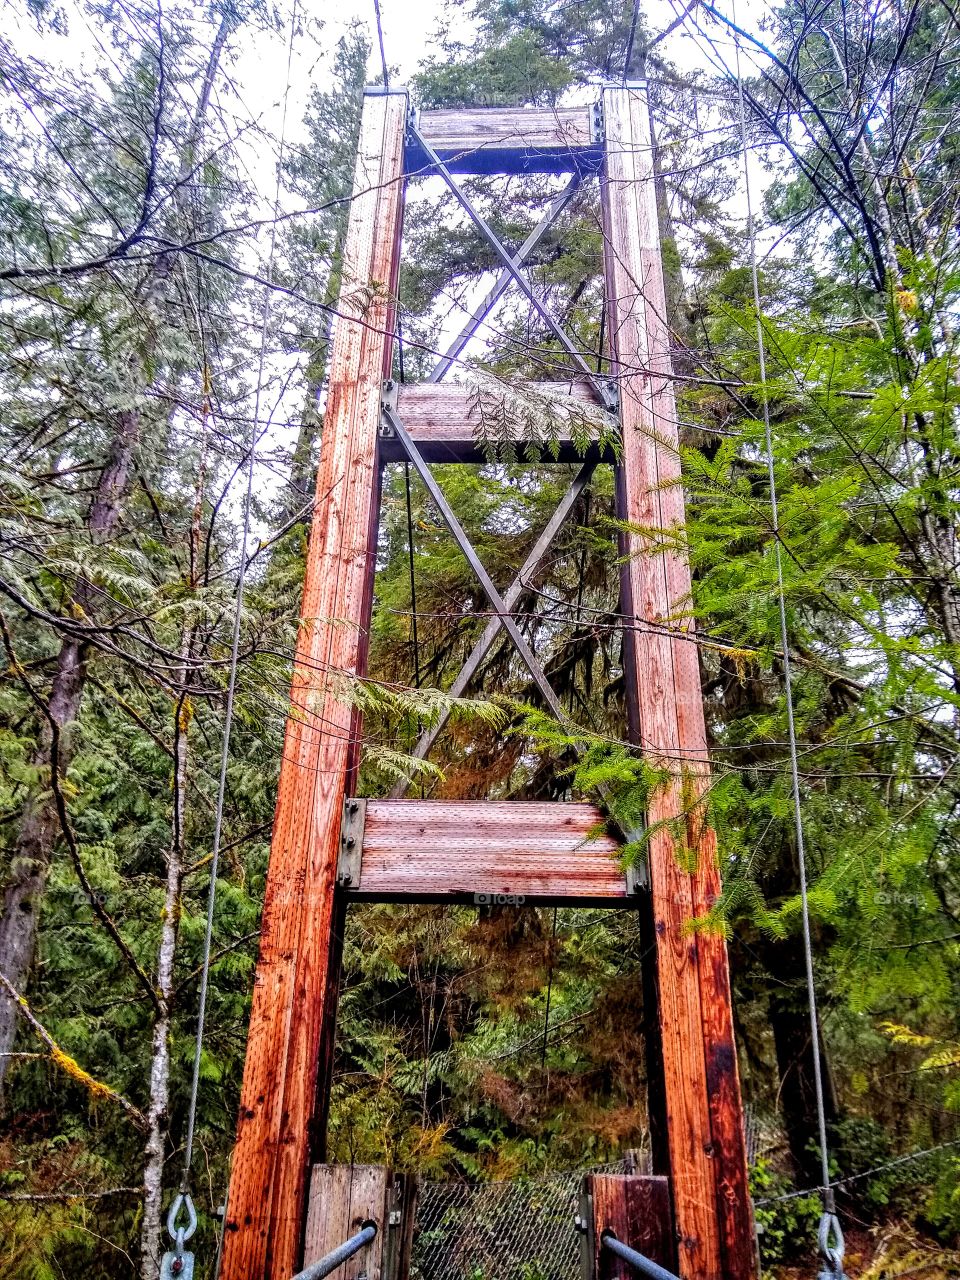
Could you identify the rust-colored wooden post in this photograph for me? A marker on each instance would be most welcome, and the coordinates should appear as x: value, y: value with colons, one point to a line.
x: 293, y: 1014
x: 701, y: 1094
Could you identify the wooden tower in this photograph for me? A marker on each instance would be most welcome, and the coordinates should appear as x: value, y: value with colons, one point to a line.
x: 330, y: 846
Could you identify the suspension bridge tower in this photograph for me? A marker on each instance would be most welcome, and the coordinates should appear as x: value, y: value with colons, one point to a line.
x: 331, y: 846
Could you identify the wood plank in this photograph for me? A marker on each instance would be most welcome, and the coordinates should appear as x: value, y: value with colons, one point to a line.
x: 438, y: 850
x: 292, y: 1014
x: 445, y: 420
x: 703, y: 1113
x: 509, y: 140
x: 342, y: 1198
x: 636, y: 1208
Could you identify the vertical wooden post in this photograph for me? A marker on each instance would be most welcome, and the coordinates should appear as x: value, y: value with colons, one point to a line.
x: 704, y: 1129
x: 293, y: 1013
x: 636, y: 1208
x: 342, y: 1198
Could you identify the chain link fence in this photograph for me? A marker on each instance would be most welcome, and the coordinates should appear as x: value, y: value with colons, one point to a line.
x: 502, y: 1230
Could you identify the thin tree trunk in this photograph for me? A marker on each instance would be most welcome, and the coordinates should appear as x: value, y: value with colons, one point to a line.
x: 40, y: 825
x: 158, y: 1110
x: 39, y: 828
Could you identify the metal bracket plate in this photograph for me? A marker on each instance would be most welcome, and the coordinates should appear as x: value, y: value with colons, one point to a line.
x: 637, y: 878
x: 598, y: 132
x: 173, y: 1267
x: 609, y: 393
x: 351, y: 843
x: 638, y: 875
x: 388, y: 403
x: 583, y: 1224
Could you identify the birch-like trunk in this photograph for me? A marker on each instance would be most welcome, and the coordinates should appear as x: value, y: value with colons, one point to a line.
x: 158, y: 1110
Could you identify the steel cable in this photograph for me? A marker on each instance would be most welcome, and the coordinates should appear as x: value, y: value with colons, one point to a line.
x: 184, y: 1199
x: 828, y: 1223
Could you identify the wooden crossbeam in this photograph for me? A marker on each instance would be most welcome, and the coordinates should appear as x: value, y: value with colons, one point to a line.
x: 509, y: 140
x: 481, y: 851
x: 445, y: 423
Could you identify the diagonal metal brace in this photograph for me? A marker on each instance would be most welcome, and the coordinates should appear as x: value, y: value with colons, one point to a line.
x: 602, y: 385
x: 511, y: 595
x: 504, y: 618
x: 503, y: 281
x: 476, y: 564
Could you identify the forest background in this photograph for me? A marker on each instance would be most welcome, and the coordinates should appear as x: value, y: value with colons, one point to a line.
x: 167, y: 309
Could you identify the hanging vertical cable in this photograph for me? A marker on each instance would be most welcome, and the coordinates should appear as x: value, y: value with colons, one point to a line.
x: 831, y: 1253
x: 546, y: 1014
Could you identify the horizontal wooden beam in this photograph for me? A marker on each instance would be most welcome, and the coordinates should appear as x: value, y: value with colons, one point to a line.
x: 445, y: 422
x: 509, y: 140
x: 483, y: 851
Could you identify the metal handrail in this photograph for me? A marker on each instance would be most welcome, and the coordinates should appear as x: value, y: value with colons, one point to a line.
x: 646, y: 1267
x: 337, y: 1257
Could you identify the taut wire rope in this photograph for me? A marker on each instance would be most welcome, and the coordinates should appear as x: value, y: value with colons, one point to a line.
x: 832, y: 1254
x: 383, y: 51
x: 184, y: 1200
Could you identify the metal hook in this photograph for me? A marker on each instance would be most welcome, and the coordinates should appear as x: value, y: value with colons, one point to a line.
x: 180, y: 1234
x: 831, y: 1254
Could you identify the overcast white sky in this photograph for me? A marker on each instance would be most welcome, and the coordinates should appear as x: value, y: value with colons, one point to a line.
x: 410, y: 29
x: 258, y: 60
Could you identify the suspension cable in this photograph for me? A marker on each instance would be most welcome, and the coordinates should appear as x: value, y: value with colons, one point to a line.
x: 383, y: 51
x: 183, y: 1200
x: 628, y: 56
x: 833, y: 1255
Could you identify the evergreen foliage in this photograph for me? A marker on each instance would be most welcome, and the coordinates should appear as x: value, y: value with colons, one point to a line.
x: 502, y: 1042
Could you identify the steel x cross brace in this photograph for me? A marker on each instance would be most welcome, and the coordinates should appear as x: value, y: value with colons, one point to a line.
x: 604, y: 388
x: 503, y: 281
x: 636, y: 879
x: 504, y: 617
x: 510, y: 597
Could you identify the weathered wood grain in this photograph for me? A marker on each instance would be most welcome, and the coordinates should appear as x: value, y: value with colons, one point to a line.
x: 291, y: 1017
x: 444, y: 421
x: 704, y: 1122
x: 509, y: 139
x: 436, y: 850
x: 636, y: 1208
x: 342, y: 1198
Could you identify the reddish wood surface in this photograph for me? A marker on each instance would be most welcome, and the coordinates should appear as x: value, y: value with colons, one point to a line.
x: 342, y: 1198
x: 291, y: 1017
x: 443, y: 420
x: 636, y: 1208
x: 704, y: 1119
x: 436, y: 849
x: 509, y: 139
